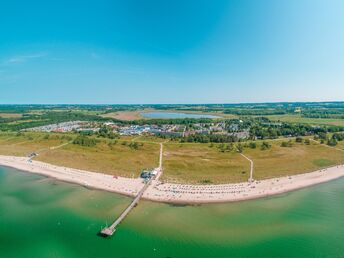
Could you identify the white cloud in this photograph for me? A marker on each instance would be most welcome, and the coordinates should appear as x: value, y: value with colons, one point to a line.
x: 24, y: 58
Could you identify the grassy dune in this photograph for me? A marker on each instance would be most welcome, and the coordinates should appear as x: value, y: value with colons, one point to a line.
x: 340, y: 145
x: 118, y: 159
x: 23, y: 145
x: 198, y: 163
x: 187, y: 162
x: 300, y: 158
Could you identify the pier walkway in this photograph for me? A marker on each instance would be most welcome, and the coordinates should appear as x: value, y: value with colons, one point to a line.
x: 109, y: 231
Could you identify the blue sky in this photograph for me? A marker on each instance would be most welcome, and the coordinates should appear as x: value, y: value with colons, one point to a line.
x: 150, y: 51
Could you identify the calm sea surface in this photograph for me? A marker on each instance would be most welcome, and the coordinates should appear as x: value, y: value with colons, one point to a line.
x: 174, y: 115
x: 40, y: 217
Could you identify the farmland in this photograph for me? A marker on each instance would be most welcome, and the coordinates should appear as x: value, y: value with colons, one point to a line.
x: 306, y: 120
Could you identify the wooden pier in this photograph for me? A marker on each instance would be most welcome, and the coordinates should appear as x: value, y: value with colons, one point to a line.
x: 109, y: 231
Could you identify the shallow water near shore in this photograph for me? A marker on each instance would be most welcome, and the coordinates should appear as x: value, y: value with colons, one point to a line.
x: 40, y: 217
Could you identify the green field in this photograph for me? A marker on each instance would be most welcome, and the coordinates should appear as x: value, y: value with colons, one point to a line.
x: 305, y: 120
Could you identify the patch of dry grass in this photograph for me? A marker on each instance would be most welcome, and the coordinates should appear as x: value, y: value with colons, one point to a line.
x: 10, y: 115
x: 125, y: 115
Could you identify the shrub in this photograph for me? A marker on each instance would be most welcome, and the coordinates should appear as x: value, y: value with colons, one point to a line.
x: 299, y: 139
x: 332, y: 142
x: 307, y: 142
x: 240, y: 147
x: 287, y: 144
x: 265, y: 146
x: 85, y: 141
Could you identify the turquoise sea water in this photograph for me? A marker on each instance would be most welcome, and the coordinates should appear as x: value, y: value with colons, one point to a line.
x: 175, y: 115
x: 40, y: 217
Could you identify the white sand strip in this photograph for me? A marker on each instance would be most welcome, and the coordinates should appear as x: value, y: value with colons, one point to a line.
x: 176, y: 193
x: 122, y: 185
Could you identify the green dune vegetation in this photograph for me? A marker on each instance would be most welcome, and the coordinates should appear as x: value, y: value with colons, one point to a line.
x: 198, y: 163
x: 202, y: 163
x: 221, y: 163
x: 295, y: 159
x: 341, y: 145
x: 119, y: 158
x: 23, y: 144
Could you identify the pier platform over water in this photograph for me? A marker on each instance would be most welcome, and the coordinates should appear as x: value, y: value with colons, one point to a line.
x: 109, y: 231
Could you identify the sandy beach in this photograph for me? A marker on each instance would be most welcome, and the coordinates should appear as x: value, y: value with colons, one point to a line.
x: 176, y: 193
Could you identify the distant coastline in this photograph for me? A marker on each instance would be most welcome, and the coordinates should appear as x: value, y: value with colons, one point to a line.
x: 176, y: 193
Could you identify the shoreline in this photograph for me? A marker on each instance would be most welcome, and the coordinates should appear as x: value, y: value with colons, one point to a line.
x: 176, y: 193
